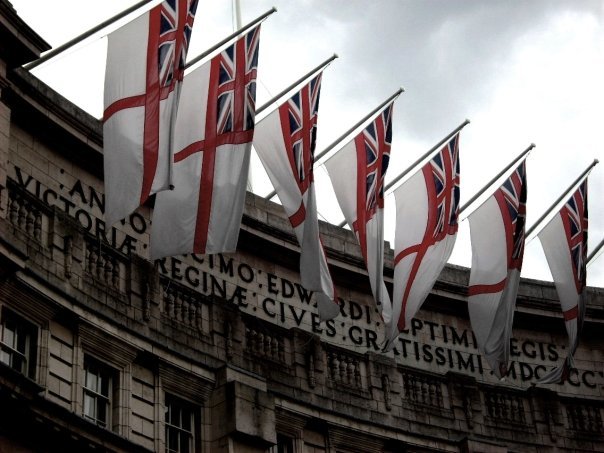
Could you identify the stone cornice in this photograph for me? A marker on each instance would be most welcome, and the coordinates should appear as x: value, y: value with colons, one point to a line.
x: 181, y: 382
x: 20, y: 44
x: 66, y: 127
x: 106, y: 346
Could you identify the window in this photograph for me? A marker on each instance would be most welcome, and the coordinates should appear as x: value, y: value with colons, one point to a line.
x: 18, y: 344
x: 98, y: 380
x: 180, y: 422
x: 285, y: 444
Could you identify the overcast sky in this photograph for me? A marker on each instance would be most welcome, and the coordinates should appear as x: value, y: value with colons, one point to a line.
x: 521, y: 71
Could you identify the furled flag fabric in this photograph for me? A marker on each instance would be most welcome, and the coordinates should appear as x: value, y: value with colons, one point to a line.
x: 497, y: 233
x: 564, y: 241
x: 145, y: 64
x: 357, y: 174
x: 213, y: 140
x: 427, y: 209
x: 285, y: 143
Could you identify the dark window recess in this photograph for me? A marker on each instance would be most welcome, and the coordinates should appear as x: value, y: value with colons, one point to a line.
x: 98, y: 392
x: 180, y: 423
x: 18, y: 345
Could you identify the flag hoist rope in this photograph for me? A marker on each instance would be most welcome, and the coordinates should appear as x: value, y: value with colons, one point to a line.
x: 78, y: 39
x: 349, y: 132
x: 566, y: 193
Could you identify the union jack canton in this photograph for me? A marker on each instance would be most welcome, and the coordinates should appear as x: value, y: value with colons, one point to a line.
x: 298, y: 118
x: 373, y: 155
x: 443, y: 172
x: 176, y: 24
x: 512, y: 200
x: 574, y: 218
x: 301, y: 111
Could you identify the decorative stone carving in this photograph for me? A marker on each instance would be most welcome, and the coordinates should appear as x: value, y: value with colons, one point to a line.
x: 313, y: 353
x: 386, y: 387
x: 68, y: 256
x: 228, y: 339
x: 466, y: 396
x: 147, y: 301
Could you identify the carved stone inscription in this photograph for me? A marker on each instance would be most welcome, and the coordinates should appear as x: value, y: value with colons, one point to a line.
x: 258, y: 287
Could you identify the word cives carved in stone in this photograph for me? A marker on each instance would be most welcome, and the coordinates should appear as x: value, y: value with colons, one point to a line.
x: 430, y: 344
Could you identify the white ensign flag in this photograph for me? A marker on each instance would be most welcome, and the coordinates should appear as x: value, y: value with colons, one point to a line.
x: 427, y: 210
x: 497, y: 234
x: 357, y: 174
x: 214, y: 131
x: 285, y: 143
x: 145, y: 65
x: 564, y: 241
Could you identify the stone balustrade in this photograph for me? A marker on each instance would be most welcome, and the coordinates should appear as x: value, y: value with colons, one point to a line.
x: 210, y: 328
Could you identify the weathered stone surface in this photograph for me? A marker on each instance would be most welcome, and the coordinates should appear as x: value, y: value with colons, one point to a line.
x: 238, y: 338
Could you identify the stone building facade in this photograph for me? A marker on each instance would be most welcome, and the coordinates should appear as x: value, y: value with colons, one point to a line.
x: 104, y: 350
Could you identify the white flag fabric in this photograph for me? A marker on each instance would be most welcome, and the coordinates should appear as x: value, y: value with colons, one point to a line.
x: 357, y: 174
x: 145, y: 64
x: 213, y: 139
x: 285, y: 143
x: 497, y: 234
x: 427, y: 210
x: 564, y: 241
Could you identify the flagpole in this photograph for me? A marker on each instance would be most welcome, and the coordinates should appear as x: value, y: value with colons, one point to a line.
x: 426, y: 154
x: 242, y: 30
x: 414, y: 164
x: 237, y: 26
x: 499, y: 175
x: 561, y: 197
x: 288, y: 89
x: 359, y: 124
x: 78, y: 39
x: 297, y: 82
x: 593, y: 254
x: 348, y: 132
x: 237, y: 13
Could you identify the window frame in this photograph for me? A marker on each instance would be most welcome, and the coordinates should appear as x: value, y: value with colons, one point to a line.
x: 23, y: 328
x: 285, y: 444
x: 106, y: 371
x: 193, y: 410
